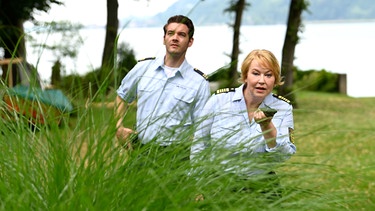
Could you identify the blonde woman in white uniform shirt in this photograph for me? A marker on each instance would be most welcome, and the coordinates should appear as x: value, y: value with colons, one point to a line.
x: 244, y: 125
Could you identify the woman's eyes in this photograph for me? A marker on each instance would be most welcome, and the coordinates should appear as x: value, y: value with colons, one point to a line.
x: 268, y: 75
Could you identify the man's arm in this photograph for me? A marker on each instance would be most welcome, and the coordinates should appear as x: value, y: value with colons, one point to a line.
x: 122, y: 133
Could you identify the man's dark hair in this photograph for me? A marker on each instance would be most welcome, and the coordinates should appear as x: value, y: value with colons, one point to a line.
x: 181, y: 19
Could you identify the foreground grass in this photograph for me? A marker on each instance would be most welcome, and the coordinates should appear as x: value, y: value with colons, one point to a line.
x: 80, y: 167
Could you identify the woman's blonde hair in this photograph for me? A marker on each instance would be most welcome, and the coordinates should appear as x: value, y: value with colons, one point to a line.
x: 266, y: 59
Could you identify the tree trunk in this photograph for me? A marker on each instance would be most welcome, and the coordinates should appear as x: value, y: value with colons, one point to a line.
x: 108, y: 58
x: 233, y: 73
x: 56, y: 74
x: 291, y: 39
x: 13, y: 41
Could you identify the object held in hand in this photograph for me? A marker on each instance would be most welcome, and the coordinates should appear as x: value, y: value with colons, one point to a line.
x: 269, y: 112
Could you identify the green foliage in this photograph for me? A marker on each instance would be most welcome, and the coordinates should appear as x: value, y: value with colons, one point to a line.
x: 12, y: 16
x: 313, y: 80
x: 24, y: 10
x: 79, y: 167
x: 222, y: 76
x: 56, y: 74
x: 126, y: 61
x: 68, y: 39
x: 73, y: 86
x: 67, y: 44
x: 91, y: 84
x: 233, y: 6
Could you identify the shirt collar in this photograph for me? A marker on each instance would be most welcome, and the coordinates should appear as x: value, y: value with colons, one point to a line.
x: 268, y: 100
x: 183, y: 69
x: 238, y: 95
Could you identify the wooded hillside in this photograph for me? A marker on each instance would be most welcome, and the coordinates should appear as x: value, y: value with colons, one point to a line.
x: 210, y: 12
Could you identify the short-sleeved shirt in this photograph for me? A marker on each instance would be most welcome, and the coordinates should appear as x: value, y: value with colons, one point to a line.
x: 227, y: 125
x: 166, y: 107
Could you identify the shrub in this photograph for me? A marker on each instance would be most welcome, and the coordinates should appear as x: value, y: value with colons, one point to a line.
x: 314, y: 80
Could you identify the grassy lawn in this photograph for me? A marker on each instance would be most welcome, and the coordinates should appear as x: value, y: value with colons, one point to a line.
x: 334, y: 136
x: 80, y: 167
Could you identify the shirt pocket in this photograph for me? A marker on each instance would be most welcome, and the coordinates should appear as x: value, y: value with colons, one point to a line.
x: 184, y: 94
x: 147, y: 84
x: 227, y: 125
x: 148, y: 89
x: 180, y: 103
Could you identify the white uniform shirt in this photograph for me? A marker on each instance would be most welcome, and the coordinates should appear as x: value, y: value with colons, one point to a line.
x: 228, y: 132
x: 166, y: 107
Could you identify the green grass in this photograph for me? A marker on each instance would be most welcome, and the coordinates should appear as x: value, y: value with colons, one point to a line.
x: 80, y: 167
x: 334, y: 136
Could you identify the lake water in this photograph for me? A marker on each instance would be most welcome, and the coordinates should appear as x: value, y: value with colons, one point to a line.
x: 336, y: 47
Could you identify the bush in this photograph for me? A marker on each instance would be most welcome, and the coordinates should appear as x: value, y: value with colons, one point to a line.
x: 314, y: 80
x: 91, y: 83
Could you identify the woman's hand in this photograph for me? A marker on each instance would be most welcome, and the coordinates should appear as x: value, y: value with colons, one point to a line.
x: 261, y: 118
x: 269, y: 130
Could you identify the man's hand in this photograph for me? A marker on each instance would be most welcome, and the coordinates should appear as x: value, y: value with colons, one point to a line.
x: 122, y: 135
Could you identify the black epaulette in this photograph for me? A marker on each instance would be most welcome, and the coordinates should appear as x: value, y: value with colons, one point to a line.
x: 148, y: 58
x: 225, y: 90
x: 201, y: 73
x: 281, y: 98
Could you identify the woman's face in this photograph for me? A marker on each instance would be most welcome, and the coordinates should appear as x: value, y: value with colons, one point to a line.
x: 260, y: 81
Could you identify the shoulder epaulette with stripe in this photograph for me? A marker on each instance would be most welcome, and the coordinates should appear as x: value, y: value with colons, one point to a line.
x: 148, y: 58
x: 225, y: 90
x: 281, y: 98
x: 201, y: 73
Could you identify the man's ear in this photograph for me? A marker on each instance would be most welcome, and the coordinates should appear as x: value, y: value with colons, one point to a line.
x: 191, y: 41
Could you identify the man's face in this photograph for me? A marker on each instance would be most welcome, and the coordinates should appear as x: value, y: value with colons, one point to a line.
x: 176, y: 39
